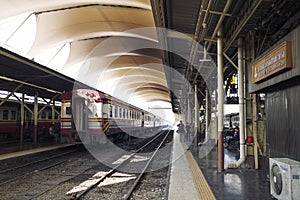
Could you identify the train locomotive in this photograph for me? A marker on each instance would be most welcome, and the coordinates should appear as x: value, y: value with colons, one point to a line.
x: 93, y: 117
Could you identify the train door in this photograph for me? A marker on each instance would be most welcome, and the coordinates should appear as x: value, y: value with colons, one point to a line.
x: 80, y: 115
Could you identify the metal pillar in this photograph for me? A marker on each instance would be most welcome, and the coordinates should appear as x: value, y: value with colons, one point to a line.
x: 189, y: 111
x: 254, y: 124
x: 196, y: 117
x: 35, y: 114
x: 207, y: 113
x: 241, y: 95
x: 22, y: 120
x: 220, y: 102
x: 53, y: 112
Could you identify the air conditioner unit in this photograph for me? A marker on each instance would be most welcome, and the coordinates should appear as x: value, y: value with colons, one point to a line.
x: 284, y: 178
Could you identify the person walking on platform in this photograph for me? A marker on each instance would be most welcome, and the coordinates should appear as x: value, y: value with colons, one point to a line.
x: 181, y: 130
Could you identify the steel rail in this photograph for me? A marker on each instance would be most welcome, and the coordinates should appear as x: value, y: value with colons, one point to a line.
x: 138, y: 179
x: 76, y: 196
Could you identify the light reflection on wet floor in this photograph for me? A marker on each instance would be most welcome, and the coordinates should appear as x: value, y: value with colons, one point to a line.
x: 233, y: 184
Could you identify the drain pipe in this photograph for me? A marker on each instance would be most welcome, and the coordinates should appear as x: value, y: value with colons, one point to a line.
x: 241, y: 94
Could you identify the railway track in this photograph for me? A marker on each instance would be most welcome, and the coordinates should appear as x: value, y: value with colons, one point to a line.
x: 38, y: 164
x: 150, y: 146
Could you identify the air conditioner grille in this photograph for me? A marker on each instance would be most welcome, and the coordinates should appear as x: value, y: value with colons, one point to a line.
x: 276, y: 179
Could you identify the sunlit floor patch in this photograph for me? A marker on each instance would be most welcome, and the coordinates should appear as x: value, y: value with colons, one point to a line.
x: 139, y: 158
x: 87, y: 183
x: 116, y: 178
x: 233, y: 181
x: 122, y: 159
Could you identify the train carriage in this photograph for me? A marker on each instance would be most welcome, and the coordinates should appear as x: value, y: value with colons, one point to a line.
x: 10, y: 120
x: 96, y: 116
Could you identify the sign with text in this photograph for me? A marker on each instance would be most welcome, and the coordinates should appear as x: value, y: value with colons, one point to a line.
x: 277, y: 60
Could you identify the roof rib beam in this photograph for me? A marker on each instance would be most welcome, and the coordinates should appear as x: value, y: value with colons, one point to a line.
x: 246, y: 13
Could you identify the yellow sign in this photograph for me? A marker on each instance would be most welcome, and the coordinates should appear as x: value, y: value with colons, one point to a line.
x: 232, y: 80
x: 273, y: 62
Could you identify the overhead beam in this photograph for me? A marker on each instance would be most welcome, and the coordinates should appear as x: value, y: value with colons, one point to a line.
x: 229, y: 59
x: 245, y: 14
x: 221, y: 19
x: 217, y: 12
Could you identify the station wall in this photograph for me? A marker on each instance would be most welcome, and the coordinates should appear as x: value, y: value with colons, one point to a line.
x: 282, y: 122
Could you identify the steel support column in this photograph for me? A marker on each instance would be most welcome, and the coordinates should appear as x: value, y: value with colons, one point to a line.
x: 196, y: 117
x: 22, y: 120
x: 35, y: 114
x: 220, y: 102
x: 241, y: 95
x: 207, y: 114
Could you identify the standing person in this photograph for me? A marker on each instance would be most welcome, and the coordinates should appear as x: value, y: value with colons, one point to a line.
x: 51, y: 130
x: 181, y: 130
x: 52, y: 133
x: 236, y: 137
x: 188, y: 132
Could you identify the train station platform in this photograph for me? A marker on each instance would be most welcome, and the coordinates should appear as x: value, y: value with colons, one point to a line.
x: 10, y: 150
x: 194, y: 176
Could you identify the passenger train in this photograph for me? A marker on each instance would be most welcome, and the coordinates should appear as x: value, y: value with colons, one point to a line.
x: 92, y: 115
x: 10, y: 120
x: 232, y: 120
x: 82, y: 112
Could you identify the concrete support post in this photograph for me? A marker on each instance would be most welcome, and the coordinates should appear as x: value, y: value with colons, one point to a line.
x: 220, y: 101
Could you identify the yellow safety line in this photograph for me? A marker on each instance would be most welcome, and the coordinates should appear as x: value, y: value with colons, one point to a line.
x: 199, y: 179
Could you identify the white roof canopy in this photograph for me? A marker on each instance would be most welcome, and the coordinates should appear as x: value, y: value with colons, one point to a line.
x: 111, y: 45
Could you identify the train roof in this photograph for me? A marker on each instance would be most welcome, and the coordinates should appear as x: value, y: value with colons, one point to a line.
x: 84, y: 93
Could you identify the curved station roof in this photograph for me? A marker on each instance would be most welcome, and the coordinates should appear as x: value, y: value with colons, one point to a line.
x: 140, y: 50
x: 110, y: 45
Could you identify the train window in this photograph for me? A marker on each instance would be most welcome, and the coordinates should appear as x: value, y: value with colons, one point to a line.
x: 43, y: 115
x: 56, y: 116
x: 68, y: 110
x: 13, y: 115
x: 116, y: 112
x: 5, y: 114
x: 28, y: 115
x: 110, y: 111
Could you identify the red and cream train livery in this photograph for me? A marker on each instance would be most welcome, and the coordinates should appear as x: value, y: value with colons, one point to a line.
x: 92, y: 115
